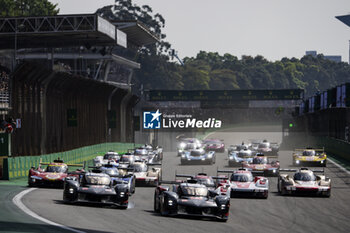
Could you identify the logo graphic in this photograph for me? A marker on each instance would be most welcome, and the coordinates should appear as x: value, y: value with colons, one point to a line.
x: 151, y: 120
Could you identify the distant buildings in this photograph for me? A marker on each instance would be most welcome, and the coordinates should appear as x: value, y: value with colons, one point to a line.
x: 335, y: 58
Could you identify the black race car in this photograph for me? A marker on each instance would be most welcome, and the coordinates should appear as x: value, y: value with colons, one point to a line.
x: 95, y: 187
x: 191, y: 198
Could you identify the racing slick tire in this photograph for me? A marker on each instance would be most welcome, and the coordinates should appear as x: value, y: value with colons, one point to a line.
x: 327, y: 194
x: 156, y: 203
x: 161, y: 208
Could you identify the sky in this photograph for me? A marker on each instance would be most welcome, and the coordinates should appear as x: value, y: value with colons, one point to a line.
x: 271, y: 28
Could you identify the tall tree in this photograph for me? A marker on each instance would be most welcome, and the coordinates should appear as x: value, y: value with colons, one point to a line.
x: 27, y: 8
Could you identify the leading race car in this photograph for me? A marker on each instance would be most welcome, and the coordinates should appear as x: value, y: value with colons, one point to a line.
x: 309, y: 156
x: 191, y: 198
x: 198, y: 156
x: 304, y: 181
x: 146, y: 174
x: 52, y: 176
x: 214, y: 145
x: 236, y: 158
x: 186, y: 144
x: 242, y: 183
x: 262, y: 163
x: 201, y: 178
x: 95, y: 187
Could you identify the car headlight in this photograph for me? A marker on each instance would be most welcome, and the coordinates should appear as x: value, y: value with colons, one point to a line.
x: 203, y: 158
x: 122, y: 194
x: 182, y: 145
x: 297, y: 161
x: 71, y: 190
x: 210, y: 156
x: 36, y: 178
x: 183, y: 156
x: 223, y: 206
x: 274, y: 170
x: 322, y: 161
x: 231, y: 158
x: 170, y: 202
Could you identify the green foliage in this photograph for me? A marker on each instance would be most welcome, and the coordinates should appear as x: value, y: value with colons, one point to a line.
x: 27, y: 8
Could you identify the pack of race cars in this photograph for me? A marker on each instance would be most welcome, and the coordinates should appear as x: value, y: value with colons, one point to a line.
x: 113, y: 177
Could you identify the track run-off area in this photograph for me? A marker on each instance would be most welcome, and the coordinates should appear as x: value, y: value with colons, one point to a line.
x: 275, y: 214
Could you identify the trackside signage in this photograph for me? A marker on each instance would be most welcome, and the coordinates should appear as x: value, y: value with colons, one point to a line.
x: 157, y: 120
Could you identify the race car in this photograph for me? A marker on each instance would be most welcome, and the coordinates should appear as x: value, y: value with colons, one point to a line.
x: 236, y: 158
x: 95, y: 187
x: 214, y: 145
x: 120, y: 176
x: 310, y: 156
x: 243, y: 184
x: 156, y: 154
x: 201, y: 178
x: 146, y: 175
x: 268, y: 148
x: 198, y: 156
x: 142, y: 154
x: 186, y: 144
x: 52, y: 176
x: 190, y: 198
x: 110, y: 157
x: 262, y: 163
x: 240, y: 147
x: 304, y: 181
x: 126, y: 160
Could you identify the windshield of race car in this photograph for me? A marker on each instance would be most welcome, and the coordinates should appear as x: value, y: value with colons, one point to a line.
x: 207, y: 182
x: 309, y: 153
x: 111, y: 156
x: 212, y: 142
x: 304, y: 176
x: 242, y: 177
x: 57, y: 169
x: 244, y: 154
x: 194, y: 191
x: 263, y: 145
x: 97, y: 179
x: 260, y: 160
x: 140, y: 167
x: 111, y: 171
x: 125, y: 159
x: 141, y: 152
x: 197, y: 152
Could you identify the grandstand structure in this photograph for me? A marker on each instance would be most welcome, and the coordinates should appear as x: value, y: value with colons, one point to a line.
x: 68, y: 78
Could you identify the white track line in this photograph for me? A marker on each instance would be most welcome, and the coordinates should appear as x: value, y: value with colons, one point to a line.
x: 339, y: 166
x: 17, y: 200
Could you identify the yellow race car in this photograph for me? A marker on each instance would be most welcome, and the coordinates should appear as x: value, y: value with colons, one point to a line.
x: 310, y: 157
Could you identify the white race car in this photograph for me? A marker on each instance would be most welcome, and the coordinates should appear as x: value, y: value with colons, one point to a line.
x: 243, y: 183
x: 110, y: 157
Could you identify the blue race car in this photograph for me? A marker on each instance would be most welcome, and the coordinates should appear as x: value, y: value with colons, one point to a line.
x: 198, y: 156
x: 237, y: 157
x: 120, y: 175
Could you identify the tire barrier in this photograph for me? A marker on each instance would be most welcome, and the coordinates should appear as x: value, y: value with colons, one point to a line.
x: 18, y: 167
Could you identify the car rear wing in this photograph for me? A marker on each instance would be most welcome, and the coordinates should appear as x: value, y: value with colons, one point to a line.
x: 170, y: 182
x: 287, y: 170
x: 322, y: 150
x: 184, y: 175
x: 61, y: 161
x: 154, y: 164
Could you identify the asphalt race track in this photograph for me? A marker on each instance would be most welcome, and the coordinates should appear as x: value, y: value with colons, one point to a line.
x: 276, y: 214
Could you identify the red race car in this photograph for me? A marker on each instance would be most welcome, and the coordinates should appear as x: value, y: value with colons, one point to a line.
x: 262, y: 163
x: 53, y: 175
x: 214, y: 145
